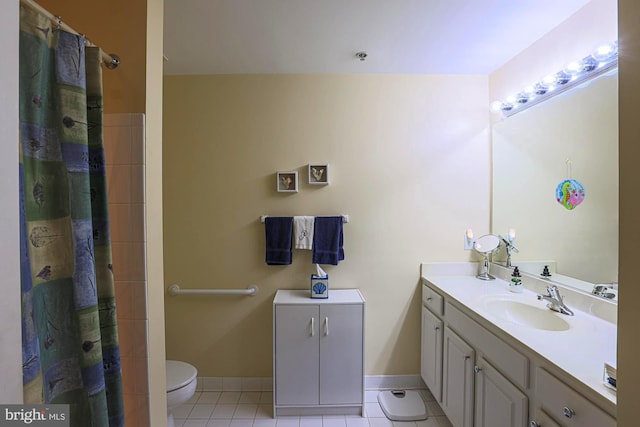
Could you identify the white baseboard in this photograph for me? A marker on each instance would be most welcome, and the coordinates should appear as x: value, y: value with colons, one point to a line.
x: 391, y: 382
x: 371, y: 382
x: 234, y: 384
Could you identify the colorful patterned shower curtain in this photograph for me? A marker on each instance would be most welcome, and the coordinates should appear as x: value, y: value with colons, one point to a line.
x: 69, y: 330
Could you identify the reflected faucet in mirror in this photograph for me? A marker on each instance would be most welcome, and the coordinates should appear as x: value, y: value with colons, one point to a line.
x: 608, y: 291
x: 509, y: 246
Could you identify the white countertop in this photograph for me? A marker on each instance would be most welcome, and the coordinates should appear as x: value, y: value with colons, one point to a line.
x: 581, y: 350
x: 336, y: 296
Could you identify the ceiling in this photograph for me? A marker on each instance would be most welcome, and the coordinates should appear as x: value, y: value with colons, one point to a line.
x: 323, y: 36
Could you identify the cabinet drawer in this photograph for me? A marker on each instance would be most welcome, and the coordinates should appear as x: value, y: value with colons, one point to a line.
x: 432, y: 299
x: 543, y: 420
x: 506, y: 359
x: 566, y: 405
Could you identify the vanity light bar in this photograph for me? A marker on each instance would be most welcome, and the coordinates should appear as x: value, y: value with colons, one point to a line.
x: 602, y: 60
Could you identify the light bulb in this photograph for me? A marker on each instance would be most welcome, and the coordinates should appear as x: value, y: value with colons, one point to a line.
x: 550, y: 81
x: 541, y: 89
x: 574, y: 67
x: 522, y: 98
x: 562, y: 78
x: 605, y: 52
x: 530, y: 92
x: 496, y: 106
x: 589, y: 64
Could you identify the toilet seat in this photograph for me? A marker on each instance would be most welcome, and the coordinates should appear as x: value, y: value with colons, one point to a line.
x: 179, y: 375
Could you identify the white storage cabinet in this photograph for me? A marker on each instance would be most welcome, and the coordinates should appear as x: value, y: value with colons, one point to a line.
x: 318, y: 359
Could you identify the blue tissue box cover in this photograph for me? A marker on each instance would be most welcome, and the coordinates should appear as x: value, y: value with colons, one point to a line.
x: 319, y: 287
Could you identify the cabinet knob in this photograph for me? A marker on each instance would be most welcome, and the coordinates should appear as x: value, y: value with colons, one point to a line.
x: 534, y: 424
x: 429, y: 298
x: 436, y: 328
x: 477, y: 369
x: 568, y: 412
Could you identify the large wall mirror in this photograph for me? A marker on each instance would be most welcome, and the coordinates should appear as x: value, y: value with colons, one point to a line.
x: 572, y: 135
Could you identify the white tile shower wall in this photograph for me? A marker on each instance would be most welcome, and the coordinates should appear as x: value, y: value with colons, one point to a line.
x: 124, y: 140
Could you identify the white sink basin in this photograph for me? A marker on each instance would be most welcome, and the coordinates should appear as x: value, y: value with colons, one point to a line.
x: 525, y: 314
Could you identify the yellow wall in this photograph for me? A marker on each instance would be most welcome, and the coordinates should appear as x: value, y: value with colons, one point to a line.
x: 409, y: 162
x: 628, y: 312
x: 120, y: 27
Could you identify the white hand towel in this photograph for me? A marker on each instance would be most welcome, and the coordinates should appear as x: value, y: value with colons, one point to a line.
x: 303, y: 232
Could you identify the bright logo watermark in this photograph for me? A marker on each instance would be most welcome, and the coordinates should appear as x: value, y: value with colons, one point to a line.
x: 36, y: 415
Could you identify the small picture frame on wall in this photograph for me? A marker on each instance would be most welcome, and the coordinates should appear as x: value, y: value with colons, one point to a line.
x: 318, y: 173
x: 287, y: 182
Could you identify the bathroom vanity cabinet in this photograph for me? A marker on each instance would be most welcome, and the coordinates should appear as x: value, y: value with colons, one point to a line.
x: 473, y: 393
x: 318, y: 358
x: 482, y: 377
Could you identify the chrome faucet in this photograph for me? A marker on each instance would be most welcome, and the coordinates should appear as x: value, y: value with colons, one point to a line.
x: 556, y: 301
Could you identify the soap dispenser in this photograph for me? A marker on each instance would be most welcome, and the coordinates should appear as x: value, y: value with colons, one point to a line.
x: 516, y: 282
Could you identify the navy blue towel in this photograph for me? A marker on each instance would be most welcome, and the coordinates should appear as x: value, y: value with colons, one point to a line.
x: 327, y: 240
x: 278, y: 232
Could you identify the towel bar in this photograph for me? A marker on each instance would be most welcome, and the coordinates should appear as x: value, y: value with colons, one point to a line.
x: 345, y: 218
x: 174, y: 290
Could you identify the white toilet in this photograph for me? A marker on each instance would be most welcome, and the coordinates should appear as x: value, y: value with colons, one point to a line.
x: 181, y: 385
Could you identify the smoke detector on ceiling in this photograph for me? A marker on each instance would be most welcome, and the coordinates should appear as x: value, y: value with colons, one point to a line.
x: 362, y: 55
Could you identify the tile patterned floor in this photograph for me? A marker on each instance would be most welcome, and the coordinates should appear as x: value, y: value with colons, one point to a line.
x: 255, y: 409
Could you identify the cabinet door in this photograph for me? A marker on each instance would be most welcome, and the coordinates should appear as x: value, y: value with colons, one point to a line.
x: 457, y: 380
x: 296, y: 355
x: 341, y: 354
x: 431, y: 353
x: 498, y: 402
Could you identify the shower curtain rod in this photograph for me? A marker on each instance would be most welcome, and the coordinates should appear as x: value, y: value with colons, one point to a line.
x: 111, y: 61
